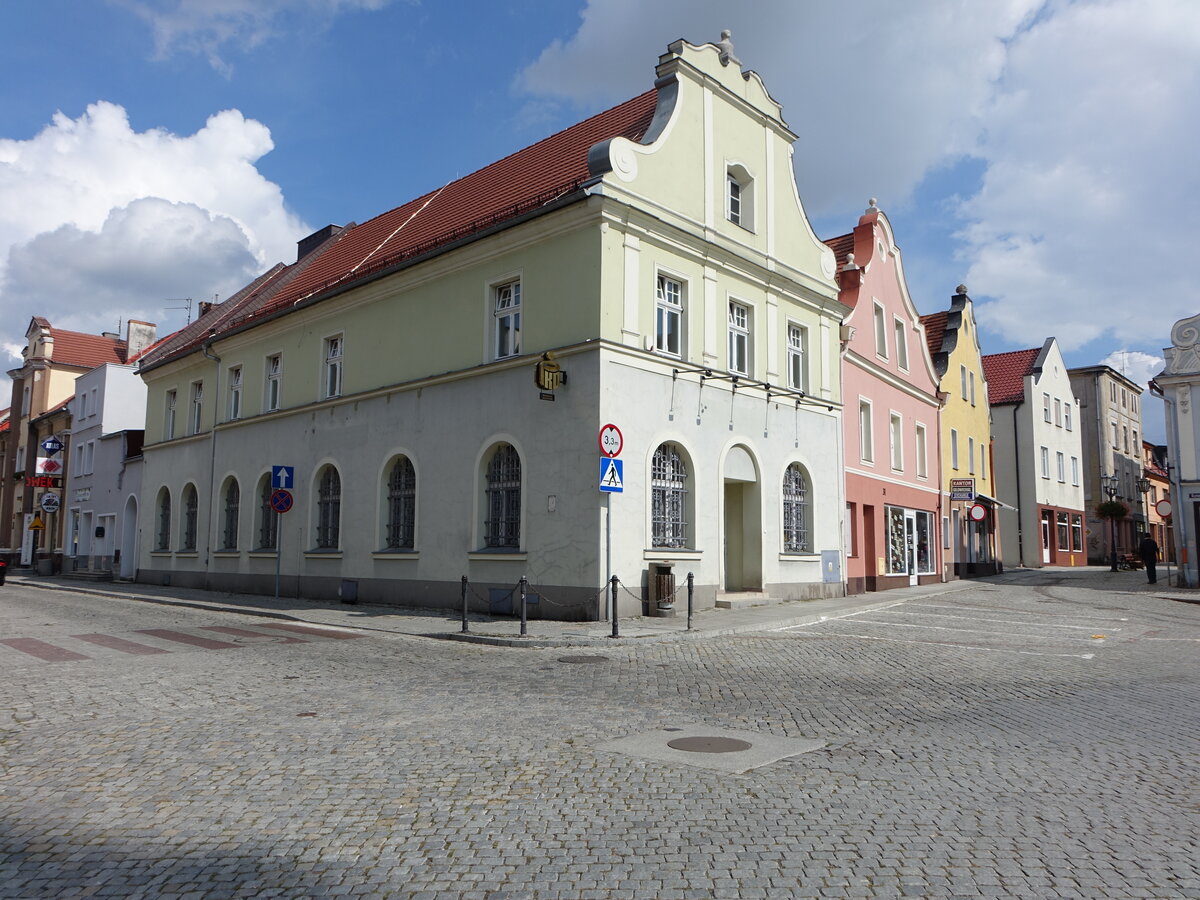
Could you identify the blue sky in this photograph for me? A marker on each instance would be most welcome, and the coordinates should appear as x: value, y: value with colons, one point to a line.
x: 1037, y: 150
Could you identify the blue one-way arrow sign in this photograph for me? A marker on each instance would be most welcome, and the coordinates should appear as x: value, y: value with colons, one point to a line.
x: 283, y: 476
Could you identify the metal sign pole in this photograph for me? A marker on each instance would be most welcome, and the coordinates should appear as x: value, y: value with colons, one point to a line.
x: 607, y: 550
x: 278, y: 550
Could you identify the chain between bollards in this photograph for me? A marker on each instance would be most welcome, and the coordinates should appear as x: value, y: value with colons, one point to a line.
x: 524, y: 586
x: 616, y: 629
x: 691, y: 586
x: 464, y: 604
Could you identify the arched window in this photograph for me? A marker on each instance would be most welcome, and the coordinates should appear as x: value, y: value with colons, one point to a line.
x: 502, y: 525
x: 401, y: 505
x: 191, y: 506
x: 162, y: 537
x: 795, y: 510
x: 329, y: 508
x: 268, y: 519
x: 233, y: 500
x: 668, y: 498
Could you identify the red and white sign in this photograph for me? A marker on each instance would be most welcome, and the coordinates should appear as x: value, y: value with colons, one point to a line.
x: 48, y: 465
x: 1163, y: 508
x: 611, y: 441
x: 978, y: 512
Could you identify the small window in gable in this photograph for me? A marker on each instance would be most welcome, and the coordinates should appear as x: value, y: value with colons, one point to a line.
x: 739, y: 197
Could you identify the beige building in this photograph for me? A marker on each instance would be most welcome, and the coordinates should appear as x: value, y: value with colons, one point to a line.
x: 430, y: 385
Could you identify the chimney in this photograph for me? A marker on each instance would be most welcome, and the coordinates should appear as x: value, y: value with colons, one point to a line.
x: 307, y: 245
x: 203, y: 307
x: 138, y: 336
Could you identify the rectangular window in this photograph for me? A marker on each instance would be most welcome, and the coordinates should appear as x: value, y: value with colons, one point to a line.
x: 954, y: 448
x: 1061, y: 460
x: 20, y: 459
x: 78, y: 460
x: 896, y: 436
x: 1116, y: 435
x: 796, y: 351
x: 739, y: 338
x: 1046, y: 407
x: 169, y: 417
x: 89, y: 458
x: 898, y: 332
x: 1067, y: 415
x: 197, y: 418
x: 880, y: 332
x: 332, y: 385
x: 1125, y: 432
x: 1045, y: 462
x: 962, y: 382
x: 1136, y: 444
x: 733, y: 200
x: 1076, y: 534
x: 970, y: 456
x: 1075, y: 470
x: 668, y: 316
x: 83, y: 406
x: 971, y: 378
x: 95, y: 404
x: 274, y: 382
x: 235, y: 392
x: 1124, y: 398
x: 866, y: 439
x: 922, y: 460
x: 1064, y: 532
x: 1058, y: 412
x: 508, y: 319
x: 851, y: 530
x: 983, y: 469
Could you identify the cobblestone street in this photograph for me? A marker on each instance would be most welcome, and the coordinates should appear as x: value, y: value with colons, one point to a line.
x: 1031, y: 736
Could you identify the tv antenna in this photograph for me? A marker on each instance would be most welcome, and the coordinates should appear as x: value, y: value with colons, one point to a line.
x: 187, y: 301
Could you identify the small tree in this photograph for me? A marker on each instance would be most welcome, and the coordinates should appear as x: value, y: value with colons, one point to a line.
x: 1112, y: 509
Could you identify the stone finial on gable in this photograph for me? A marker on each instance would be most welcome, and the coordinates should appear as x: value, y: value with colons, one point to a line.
x: 725, y: 45
x: 850, y: 265
x: 872, y: 206
x: 961, y: 289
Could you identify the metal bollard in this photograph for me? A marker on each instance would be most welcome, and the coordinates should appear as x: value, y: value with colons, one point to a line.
x: 616, y: 630
x: 524, y: 583
x: 464, y: 603
x: 691, y: 587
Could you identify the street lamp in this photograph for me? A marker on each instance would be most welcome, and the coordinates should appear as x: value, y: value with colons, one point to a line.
x: 1108, y: 484
x: 1143, y: 486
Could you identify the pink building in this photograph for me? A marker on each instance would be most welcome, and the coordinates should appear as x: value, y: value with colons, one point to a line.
x: 893, y: 478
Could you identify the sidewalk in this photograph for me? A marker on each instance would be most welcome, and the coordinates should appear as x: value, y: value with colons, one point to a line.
x: 498, y: 630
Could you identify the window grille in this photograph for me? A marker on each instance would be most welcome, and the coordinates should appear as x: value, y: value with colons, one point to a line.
x: 164, y: 521
x: 502, y: 527
x: 795, y: 510
x: 268, y: 519
x: 233, y: 498
x: 191, y: 508
x: 329, y: 509
x: 668, y: 485
x: 402, y: 505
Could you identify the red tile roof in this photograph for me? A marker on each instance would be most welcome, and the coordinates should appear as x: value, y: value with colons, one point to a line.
x: 517, y: 184
x: 74, y: 348
x: 935, y: 330
x: 842, y: 246
x: 1005, y: 374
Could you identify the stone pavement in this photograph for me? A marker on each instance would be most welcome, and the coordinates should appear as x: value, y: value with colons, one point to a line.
x: 505, y: 630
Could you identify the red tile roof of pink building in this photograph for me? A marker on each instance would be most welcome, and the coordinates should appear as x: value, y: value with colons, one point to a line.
x: 1005, y: 374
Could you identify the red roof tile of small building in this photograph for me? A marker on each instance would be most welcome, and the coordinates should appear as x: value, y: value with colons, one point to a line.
x: 842, y: 246
x: 528, y: 179
x: 935, y: 330
x: 1005, y: 374
x: 74, y: 348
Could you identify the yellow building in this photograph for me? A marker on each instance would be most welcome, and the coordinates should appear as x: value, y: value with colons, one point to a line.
x: 970, y: 511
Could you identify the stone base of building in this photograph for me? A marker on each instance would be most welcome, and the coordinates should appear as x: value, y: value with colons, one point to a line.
x: 978, y: 569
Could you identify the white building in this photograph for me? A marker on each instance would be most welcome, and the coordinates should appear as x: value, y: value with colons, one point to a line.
x: 1037, y: 458
x: 1179, y: 386
x: 656, y: 255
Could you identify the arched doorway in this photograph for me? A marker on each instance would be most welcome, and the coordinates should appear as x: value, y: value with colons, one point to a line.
x: 129, y: 540
x: 743, y: 522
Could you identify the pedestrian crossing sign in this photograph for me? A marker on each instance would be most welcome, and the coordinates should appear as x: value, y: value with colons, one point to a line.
x: 612, y: 475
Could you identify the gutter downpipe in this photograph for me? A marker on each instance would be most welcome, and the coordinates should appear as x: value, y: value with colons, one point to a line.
x: 212, y: 460
x: 1020, y: 504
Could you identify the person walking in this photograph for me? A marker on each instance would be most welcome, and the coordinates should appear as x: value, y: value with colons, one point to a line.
x: 1148, y: 551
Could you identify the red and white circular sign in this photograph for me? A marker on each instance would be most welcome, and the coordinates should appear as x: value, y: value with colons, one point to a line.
x: 611, y: 441
x: 1163, y: 508
x: 977, y: 512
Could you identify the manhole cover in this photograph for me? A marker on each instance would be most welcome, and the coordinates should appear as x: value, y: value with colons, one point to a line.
x: 709, y: 745
x: 583, y: 659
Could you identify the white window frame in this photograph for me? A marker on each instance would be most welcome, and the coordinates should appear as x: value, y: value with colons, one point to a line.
x: 962, y: 381
x: 900, y: 333
x: 739, y: 322
x: 196, y: 420
x: 333, y: 354
x: 922, y: 442
x: 881, y: 345
x: 739, y: 196
x: 954, y: 448
x: 896, y: 440
x: 970, y: 455
x: 1046, y: 407
x: 273, y: 391
x: 235, y: 392
x: 1045, y: 451
x: 866, y: 431
x: 1067, y: 415
x: 983, y: 470
x: 797, y: 356
x: 170, y: 402
x: 1061, y: 461
x: 669, y: 307
x: 971, y: 379
x: 507, y: 305
x: 89, y: 458
x: 1058, y: 412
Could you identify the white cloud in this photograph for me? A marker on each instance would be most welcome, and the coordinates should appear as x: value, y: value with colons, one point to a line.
x: 1077, y: 111
x: 1134, y: 365
x: 98, y: 221
x: 208, y: 26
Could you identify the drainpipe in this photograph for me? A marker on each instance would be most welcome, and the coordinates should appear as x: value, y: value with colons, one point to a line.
x: 1020, y: 504
x: 212, y: 459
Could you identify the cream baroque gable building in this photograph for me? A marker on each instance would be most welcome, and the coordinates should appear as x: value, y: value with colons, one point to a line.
x: 651, y: 267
